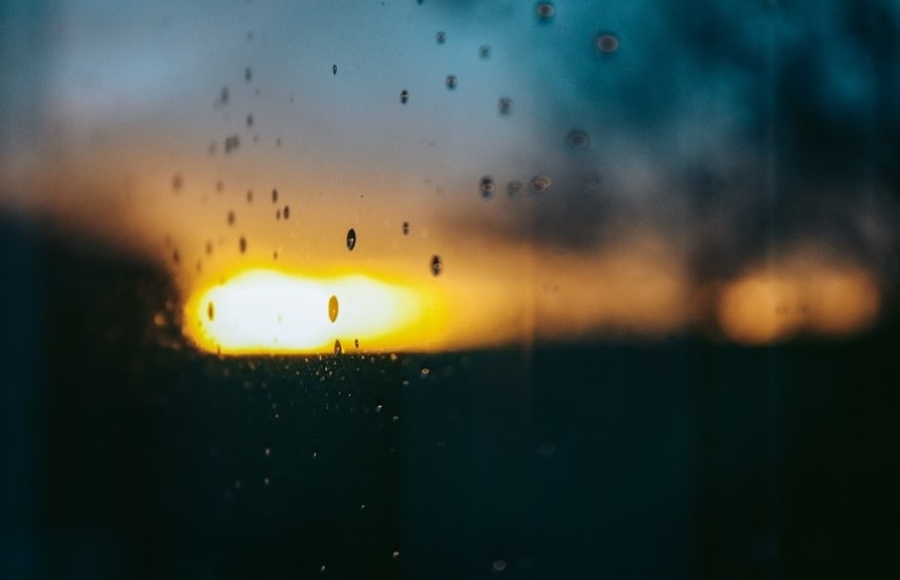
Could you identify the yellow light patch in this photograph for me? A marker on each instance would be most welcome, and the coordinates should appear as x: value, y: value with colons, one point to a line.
x: 271, y: 311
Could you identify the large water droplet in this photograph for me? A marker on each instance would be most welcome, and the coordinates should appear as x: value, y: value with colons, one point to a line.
x: 333, y: 308
x: 451, y: 82
x: 514, y: 188
x: 607, y: 43
x: 404, y: 96
x: 337, y: 348
x: 487, y: 187
x: 436, y: 265
x: 545, y: 11
x: 540, y: 183
x: 578, y: 139
x: 351, y: 239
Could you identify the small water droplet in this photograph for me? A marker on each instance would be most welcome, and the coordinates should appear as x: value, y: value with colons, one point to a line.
x: 249, y: 196
x: 362, y: 507
x: 243, y: 244
x: 176, y: 257
x: 223, y: 96
x: 607, y: 43
x: 405, y: 228
x: 334, y: 69
x: 351, y: 239
x: 487, y: 187
x: 286, y: 212
x: 230, y: 218
x: 484, y: 51
x: 441, y: 37
x: 545, y: 11
x: 267, y: 451
x: 337, y: 348
x: 274, y: 196
x: 379, y: 407
x: 436, y: 265
x: 210, y: 311
x: 514, y: 188
x: 266, y: 481
x: 332, y: 308
x: 177, y: 182
x: 540, y: 183
x: 232, y: 142
x: 424, y: 372
x: 404, y: 96
x: 451, y: 82
x: 249, y: 120
x: 499, y: 565
x: 505, y: 105
x: 278, y: 214
x: 578, y: 139
x: 356, y: 342
x: 209, y: 248
x: 395, y: 554
x: 248, y: 74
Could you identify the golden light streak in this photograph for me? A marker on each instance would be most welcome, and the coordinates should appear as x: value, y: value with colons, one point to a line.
x: 271, y: 311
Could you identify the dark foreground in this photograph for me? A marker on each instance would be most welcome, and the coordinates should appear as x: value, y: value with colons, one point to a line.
x: 123, y: 457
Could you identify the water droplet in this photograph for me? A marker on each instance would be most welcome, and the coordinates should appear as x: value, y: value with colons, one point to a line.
x: 334, y: 69
x: 278, y: 214
x: 176, y: 257
x: 356, y: 342
x: 395, y: 554
x: 404, y: 96
x: 265, y: 481
x: 223, y: 96
x: 424, y: 372
x: 436, y: 265
x: 243, y: 244
x: 220, y: 186
x: 332, y: 308
x: 322, y: 569
x: 337, y: 348
x: 451, y: 82
x: 209, y: 248
x: 249, y: 120
x: 210, y: 311
x: 514, y: 188
x: 177, y: 182
x: 287, y: 212
x: 249, y: 196
x: 505, y: 105
x: 487, y: 187
x: 274, y: 196
x: 379, y: 408
x: 441, y: 37
x: 578, y: 139
x: 607, y: 43
x: 232, y: 142
x: 230, y: 218
x: 540, y: 183
x: 545, y: 11
x: 484, y: 51
x: 405, y: 228
x: 499, y: 565
x: 351, y: 239
x: 267, y: 451
x: 248, y: 74
x: 362, y: 507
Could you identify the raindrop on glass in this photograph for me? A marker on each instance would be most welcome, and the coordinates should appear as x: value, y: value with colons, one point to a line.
x: 578, y: 139
x: 441, y: 37
x: 499, y: 565
x: 514, y: 188
x: 223, y: 96
x: 334, y: 69
x: 607, y: 43
x: 243, y: 244
x: 267, y: 451
x: 540, y: 183
x: 351, y: 239
x: 274, y: 196
x: 487, y: 187
x: 230, y: 218
x: 278, y: 214
x: 249, y: 196
x: 210, y: 311
x: 337, y: 348
x: 248, y: 74
x: 484, y: 51
x: 356, y: 342
x: 287, y: 211
x: 176, y: 257
x: 249, y: 120
x: 405, y: 228
x: 505, y: 105
x: 209, y: 248
x: 332, y: 308
x: 436, y: 265
x: 395, y: 554
x: 404, y: 96
x: 451, y: 82
x: 545, y: 11
x: 177, y: 182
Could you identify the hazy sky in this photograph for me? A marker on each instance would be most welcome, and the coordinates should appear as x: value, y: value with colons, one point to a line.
x: 705, y: 143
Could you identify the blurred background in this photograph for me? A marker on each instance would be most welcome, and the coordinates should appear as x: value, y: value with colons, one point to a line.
x: 614, y: 289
